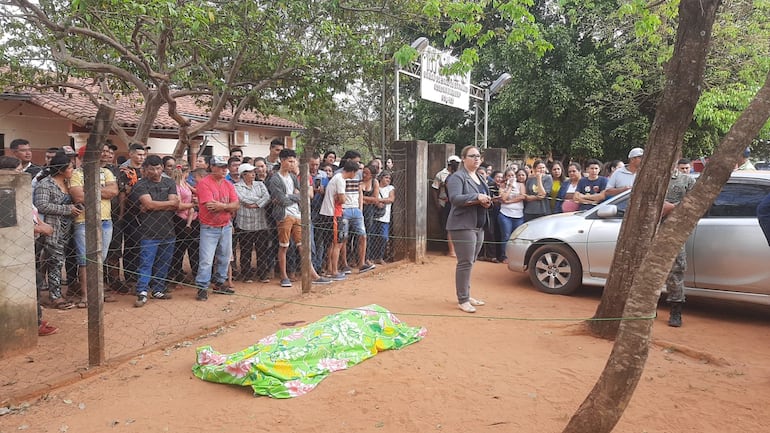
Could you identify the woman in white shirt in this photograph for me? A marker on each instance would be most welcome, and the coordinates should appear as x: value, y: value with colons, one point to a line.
x: 380, y: 235
x: 511, y: 214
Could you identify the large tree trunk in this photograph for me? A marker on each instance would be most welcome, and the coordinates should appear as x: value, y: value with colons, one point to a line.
x: 153, y: 102
x: 607, y: 401
x: 684, y: 77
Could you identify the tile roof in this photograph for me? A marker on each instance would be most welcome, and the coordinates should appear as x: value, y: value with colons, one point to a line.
x: 78, y: 108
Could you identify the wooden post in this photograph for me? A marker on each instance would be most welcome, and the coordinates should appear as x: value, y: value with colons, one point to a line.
x: 304, y: 177
x: 92, y: 190
x: 410, y: 236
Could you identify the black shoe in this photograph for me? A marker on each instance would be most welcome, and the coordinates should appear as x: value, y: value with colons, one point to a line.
x: 675, y: 319
x: 202, y: 295
x: 161, y: 295
x: 221, y: 289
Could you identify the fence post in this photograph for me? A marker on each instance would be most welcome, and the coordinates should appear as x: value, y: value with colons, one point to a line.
x: 18, y: 302
x: 410, y: 233
x: 305, y: 196
x: 92, y: 191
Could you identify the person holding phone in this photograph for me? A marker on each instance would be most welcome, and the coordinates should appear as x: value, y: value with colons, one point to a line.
x: 469, y: 195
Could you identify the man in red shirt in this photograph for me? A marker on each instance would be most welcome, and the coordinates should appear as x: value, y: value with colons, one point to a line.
x: 218, y: 203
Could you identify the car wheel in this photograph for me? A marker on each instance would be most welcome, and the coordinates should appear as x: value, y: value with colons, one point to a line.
x: 555, y: 269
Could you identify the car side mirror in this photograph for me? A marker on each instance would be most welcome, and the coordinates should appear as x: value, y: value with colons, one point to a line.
x: 607, y: 211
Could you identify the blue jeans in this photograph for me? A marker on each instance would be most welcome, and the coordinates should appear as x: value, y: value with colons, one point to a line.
x: 378, y: 240
x: 355, y: 221
x: 154, y: 262
x: 215, y: 242
x: 80, y: 240
x: 507, y: 226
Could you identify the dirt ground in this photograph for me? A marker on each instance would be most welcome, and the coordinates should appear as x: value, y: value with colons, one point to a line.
x: 520, y: 364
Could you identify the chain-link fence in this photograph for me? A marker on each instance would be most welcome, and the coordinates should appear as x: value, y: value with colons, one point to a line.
x: 170, y: 240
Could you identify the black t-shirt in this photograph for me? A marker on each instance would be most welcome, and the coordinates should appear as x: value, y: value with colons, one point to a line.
x: 127, y: 178
x: 157, y: 224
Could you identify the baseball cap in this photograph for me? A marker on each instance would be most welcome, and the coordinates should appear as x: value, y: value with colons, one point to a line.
x: 219, y: 161
x: 69, y: 151
x: 637, y: 151
x: 245, y: 167
x: 454, y: 158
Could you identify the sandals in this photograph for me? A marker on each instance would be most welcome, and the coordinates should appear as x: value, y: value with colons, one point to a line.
x: 81, y: 304
x: 61, y: 304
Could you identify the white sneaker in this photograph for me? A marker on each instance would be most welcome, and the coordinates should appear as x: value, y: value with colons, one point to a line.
x: 476, y: 302
x: 467, y: 307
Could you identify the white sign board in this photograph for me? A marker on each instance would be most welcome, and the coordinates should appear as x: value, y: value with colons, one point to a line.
x: 451, y: 90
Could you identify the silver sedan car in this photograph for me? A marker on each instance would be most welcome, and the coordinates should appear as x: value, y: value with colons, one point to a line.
x: 727, y: 253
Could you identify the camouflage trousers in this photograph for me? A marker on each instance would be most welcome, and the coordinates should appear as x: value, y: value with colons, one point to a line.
x: 675, y: 280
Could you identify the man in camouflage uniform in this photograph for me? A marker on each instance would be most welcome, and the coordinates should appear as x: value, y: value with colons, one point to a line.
x: 681, y: 183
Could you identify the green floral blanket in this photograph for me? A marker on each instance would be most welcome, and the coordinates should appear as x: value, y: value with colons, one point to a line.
x: 293, y: 361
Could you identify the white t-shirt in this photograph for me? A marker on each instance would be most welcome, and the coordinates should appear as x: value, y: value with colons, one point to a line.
x: 385, y: 193
x: 293, y: 209
x: 335, y: 186
x: 513, y: 210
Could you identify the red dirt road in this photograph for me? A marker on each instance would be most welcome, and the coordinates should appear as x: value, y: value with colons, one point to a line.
x: 520, y: 364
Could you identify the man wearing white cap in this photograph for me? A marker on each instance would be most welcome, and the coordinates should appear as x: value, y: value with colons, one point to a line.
x: 623, y: 178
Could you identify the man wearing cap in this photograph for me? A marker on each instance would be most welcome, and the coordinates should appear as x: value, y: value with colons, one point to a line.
x: 440, y: 198
x: 218, y: 203
x: 252, y: 224
x: 622, y: 179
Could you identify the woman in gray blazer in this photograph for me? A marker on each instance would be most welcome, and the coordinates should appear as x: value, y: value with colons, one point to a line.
x: 470, y: 200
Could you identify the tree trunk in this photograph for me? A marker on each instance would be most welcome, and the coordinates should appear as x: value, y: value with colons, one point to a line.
x: 153, y: 102
x: 684, y: 77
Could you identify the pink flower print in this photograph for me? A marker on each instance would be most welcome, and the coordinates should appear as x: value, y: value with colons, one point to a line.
x: 293, y: 336
x: 368, y: 311
x: 422, y: 332
x: 393, y: 318
x: 239, y: 369
x: 297, y: 388
x: 270, y: 339
x: 207, y: 357
x: 332, y: 364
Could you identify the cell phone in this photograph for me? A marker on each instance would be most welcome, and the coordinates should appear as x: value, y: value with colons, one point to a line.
x: 80, y: 206
x: 317, y: 183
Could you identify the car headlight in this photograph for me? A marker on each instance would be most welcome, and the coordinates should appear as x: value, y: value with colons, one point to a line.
x: 519, y: 230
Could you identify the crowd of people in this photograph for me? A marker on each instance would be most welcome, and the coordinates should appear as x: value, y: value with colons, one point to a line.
x: 231, y: 217
x: 523, y: 192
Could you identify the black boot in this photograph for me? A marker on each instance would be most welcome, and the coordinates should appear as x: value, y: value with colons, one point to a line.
x: 675, y: 319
